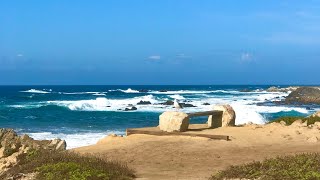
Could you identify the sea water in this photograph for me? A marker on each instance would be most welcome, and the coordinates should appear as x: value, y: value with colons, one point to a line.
x: 82, y: 115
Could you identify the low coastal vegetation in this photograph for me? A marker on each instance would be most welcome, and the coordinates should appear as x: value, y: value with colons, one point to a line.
x: 51, y: 165
x: 297, y: 167
x: 290, y: 119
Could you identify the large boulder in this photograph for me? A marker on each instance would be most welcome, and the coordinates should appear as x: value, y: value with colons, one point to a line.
x: 228, y: 117
x: 304, y: 95
x: 174, y: 121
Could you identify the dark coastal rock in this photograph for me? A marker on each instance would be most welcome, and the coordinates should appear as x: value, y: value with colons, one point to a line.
x: 187, y: 105
x: 169, y: 102
x: 130, y: 108
x: 304, y: 95
x: 245, y: 90
x: 309, y: 108
x: 163, y: 90
x: 206, y: 104
x: 143, y: 102
x: 143, y: 90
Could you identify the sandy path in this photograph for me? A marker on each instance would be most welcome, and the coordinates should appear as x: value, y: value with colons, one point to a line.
x: 178, y: 157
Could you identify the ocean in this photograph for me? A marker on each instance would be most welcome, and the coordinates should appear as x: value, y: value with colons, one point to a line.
x: 82, y: 115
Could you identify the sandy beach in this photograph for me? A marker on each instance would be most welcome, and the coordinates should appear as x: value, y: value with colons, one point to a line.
x: 182, y: 157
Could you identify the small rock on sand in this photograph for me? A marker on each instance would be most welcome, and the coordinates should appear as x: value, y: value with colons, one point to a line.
x: 299, y: 123
x: 313, y: 139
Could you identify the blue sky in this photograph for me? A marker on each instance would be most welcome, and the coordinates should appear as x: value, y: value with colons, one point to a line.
x: 159, y: 42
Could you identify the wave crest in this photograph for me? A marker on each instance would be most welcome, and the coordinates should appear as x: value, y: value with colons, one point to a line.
x: 35, y: 91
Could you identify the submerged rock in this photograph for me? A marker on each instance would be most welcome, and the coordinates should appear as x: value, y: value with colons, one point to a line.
x: 206, y: 104
x: 245, y: 90
x: 143, y: 90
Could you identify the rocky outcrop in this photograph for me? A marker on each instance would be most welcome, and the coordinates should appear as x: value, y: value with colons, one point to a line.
x: 143, y: 102
x: 143, y: 90
x: 173, y: 121
x: 12, y: 146
x: 278, y: 89
x: 304, y: 95
x: 228, y: 117
x: 168, y: 103
x: 187, y: 105
x: 132, y: 108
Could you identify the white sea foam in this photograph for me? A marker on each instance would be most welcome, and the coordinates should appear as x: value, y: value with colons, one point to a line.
x: 180, y: 92
x: 94, y: 93
x: 35, y: 91
x: 99, y: 94
x: 74, y: 140
x: 103, y: 104
x: 25, y: 106
x: 177, y: 96
x: 129, y: 90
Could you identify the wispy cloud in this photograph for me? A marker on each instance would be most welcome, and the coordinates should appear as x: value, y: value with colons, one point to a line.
x: 183, y: 56
x: 154, y: 57
x: 19, y: 55
x: 246, y: 57
x: 293, y: 38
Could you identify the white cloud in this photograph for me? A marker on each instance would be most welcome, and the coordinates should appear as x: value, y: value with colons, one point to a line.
x: 19, y: 55
x: 154, y: 57
x: 246, y: 57
x: 294, y: 38
x: 183, y: 56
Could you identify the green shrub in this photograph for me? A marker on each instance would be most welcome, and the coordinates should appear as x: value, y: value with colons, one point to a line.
x: 8, y: 151
x: 290, y: 119
x: 297, y: 167
x: 68, y: 165
x: 71, y: 170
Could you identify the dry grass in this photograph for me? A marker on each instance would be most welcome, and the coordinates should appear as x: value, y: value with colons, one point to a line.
x: 69, y: 165
x: 290, y: 119
x: 297, y: 167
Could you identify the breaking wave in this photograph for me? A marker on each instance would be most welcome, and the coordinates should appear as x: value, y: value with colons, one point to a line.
x: 36, y: 91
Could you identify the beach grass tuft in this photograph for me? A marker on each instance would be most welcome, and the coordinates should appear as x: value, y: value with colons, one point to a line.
x: 295, y: 167
x: 290, y: 119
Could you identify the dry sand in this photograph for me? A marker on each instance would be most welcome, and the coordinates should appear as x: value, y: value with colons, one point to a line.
x: 181, y: 157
